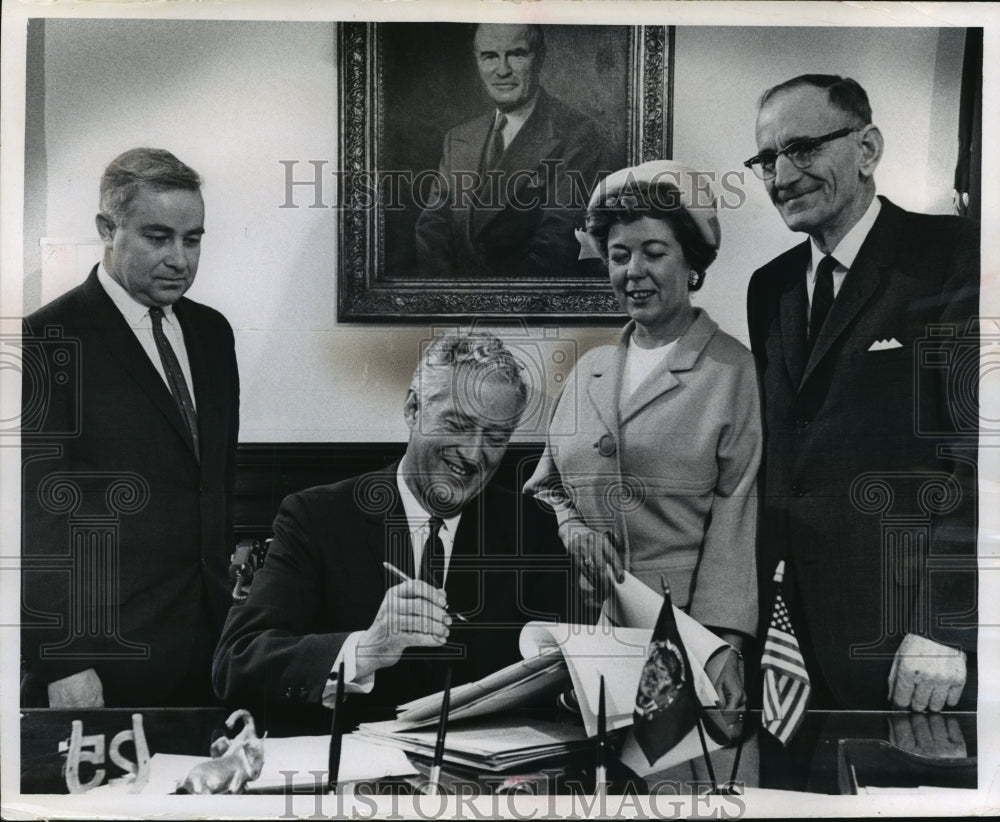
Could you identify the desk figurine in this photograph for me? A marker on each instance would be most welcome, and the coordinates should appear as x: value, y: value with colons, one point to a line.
x: 234, y: 762
x: 90, y: 749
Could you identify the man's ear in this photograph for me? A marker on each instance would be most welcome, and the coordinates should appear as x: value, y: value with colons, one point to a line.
x: 410, y: 408
x: 872, y: 145
x: 105, y: 228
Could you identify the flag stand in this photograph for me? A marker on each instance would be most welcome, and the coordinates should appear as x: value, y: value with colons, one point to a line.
x: 708, y: 759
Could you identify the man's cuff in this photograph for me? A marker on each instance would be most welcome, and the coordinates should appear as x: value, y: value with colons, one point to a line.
x: 352, y: 685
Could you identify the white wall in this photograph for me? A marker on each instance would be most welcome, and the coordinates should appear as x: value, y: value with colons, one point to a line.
x: 234, y: 98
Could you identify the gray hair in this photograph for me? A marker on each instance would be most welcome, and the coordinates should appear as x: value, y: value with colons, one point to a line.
x: 479, y: 353
x: 128, y: 172
x: 535, y: 35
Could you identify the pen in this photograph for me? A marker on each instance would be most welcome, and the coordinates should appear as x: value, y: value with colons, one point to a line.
x: 336, y: 730
x: 392, y: 569
x: 435, y: 780
x: 601, y: 771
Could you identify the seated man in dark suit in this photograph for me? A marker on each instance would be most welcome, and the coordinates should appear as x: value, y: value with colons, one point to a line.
x: 514, y: 182
x: 327, y: 595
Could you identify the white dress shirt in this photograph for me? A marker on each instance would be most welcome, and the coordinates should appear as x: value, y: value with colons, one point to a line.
x: 418, y: 521
x: 137, y: 316
x: 845, y: 252
x: 515, y: 120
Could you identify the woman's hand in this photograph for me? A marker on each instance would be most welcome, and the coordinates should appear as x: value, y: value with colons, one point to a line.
x: 725, y: 669
x: 594, y: 556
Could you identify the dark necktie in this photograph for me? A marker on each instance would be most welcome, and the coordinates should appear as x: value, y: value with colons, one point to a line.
x: 822, y: 297
x: 495, y: 145
x: 175, y: 377
x: 432, y: 560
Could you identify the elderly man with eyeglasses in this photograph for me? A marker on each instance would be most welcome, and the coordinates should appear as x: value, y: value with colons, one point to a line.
x: 868, y: 370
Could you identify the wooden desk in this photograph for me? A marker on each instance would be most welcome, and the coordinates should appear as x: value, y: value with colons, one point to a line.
x: 910, y: 762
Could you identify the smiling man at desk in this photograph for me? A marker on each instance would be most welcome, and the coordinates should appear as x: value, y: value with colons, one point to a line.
x: 326, y: 595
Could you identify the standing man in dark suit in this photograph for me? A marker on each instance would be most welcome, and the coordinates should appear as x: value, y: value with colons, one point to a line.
x: 513, y: 183
x: 128, y: 466
x: 324, y: 594
x: 864, y: 347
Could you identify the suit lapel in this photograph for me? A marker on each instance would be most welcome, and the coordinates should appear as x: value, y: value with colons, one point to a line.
x: 463, y: 582
x: 387, y: 532
x: 604, y: 384
x: 793, y: 308
x: 533, y: 142
x: 859, y: 285
x: 663, y: 378
x: 108, y: 321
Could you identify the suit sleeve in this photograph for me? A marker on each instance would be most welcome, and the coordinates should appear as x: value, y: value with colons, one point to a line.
x: 435, y: 247
x: 545, y: 484
x: 48, y: 425
x: 269, y: 650
x: 553, y: 247
x: 725, y: 593
x: 233, y: 431
x: 953, y: 593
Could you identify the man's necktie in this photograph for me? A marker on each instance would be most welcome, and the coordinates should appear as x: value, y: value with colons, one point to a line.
x: 432, y: 560
x: 175, y: 377
x: 495, y: 145
x: 822, y: 297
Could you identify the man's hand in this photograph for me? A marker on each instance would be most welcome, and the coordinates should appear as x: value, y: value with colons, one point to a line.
x: 81, y: 690
x: 936, y: 736
x: 926, y: 675
x: 411, y: 615
x: 593, y: 556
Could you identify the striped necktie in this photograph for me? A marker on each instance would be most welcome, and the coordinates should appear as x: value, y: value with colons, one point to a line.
x: 175, y: 377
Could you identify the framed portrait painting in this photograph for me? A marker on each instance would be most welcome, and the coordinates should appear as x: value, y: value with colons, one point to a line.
x: 467, y: 157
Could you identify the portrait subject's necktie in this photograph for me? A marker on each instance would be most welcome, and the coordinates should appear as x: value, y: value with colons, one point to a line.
x: 432, y: 560
x: 822, y: 297
x: 495, y: 145
x: 175, y: 377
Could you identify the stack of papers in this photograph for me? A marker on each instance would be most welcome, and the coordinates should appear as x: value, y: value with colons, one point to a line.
x: 516, y: 686
x: 491, y: 744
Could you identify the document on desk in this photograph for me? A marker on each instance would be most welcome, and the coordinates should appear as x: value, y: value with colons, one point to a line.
x: 618, y: 654
x: 557, y: 654
x: 492, y: 743
x: 516, y: 686
x: 359, y: 759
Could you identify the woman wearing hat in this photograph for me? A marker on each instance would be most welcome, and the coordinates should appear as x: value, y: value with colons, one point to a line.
x: 654, y: 443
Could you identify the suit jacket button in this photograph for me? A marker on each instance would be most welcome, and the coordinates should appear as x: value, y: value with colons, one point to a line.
x: 798, y: 491
x: 289, y: 693
x: 606, y: 446
x: 303, y: 694
x: 801, y: 423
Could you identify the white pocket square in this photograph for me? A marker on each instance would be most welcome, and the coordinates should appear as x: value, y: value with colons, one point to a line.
x: 885, y: 345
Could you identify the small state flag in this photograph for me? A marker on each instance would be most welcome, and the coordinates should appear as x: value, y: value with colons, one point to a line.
x: 786, y: 682
x: 666, y: 708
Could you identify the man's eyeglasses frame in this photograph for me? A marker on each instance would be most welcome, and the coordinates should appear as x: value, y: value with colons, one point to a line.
x: 800, y: 153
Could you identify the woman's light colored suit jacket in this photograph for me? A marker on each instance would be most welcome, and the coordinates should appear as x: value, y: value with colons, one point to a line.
x: 671, y: 470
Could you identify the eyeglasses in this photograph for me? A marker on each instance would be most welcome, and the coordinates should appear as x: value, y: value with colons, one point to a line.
x: 801, y: 153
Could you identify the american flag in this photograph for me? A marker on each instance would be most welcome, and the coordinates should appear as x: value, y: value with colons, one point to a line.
x: 786, y: 682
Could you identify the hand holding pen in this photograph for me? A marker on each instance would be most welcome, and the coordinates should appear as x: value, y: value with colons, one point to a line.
x: 392, y: 569
x: 411, y: 615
